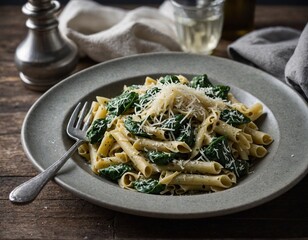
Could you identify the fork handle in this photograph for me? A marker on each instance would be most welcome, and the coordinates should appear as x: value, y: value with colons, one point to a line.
x: 28, y: 191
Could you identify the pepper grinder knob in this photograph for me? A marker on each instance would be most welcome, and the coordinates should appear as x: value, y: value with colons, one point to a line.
x: 44, y: 57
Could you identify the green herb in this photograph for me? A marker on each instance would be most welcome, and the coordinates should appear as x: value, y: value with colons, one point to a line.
x: 187, y: 134
x: 218, y: 91
x: 200, y: 81
x: 233, y: 117
x: 173, y: 125
x: 115, y: 172
x: 150, y: 185
x: 161, y: 158
x: 212, y: 91
x: 96, y: 132
x: 135, y: 128
x: 122, y: 103
x: 147, y: 97
x: 168, y: 79
x: 219, y: 151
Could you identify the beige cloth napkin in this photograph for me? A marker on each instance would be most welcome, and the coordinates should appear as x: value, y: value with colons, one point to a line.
x: 104, y: 33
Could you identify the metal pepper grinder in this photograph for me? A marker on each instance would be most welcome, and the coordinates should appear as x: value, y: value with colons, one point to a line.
x: 44, y: 57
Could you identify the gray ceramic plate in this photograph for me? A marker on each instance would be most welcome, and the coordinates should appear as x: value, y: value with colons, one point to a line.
x: 286, y: 116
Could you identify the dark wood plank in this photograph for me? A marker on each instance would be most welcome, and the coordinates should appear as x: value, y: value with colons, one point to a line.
x: 57, y: 219
x: 13, y: 160
x: 222, y: 228
x: 291, y: 16
x: 14, y: 96
x: 11, y: 122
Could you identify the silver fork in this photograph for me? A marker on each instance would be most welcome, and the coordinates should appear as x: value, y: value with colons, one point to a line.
x: 76, y: 129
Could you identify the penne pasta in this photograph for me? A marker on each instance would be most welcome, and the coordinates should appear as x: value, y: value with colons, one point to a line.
x: 140, y: 162
x: 259, y: 137
x: 127, y: 179
x: 257, y: 151
x: 149, y: 81
x: 164, y: 146
x: 106, y: 162
x: 222, y: 181
x: 83, y: 150
x: 105, y: 145
x: 100, y: 112
x: 193, y: 167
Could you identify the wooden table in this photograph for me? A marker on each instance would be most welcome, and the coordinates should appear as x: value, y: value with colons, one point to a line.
x: 57, y: 214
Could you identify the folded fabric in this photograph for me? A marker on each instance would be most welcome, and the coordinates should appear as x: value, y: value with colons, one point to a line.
x: 280, y: 51
x: 296, y: 71
x: 104, y: 33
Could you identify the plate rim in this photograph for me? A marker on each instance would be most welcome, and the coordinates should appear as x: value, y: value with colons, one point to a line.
x: 145, y: 213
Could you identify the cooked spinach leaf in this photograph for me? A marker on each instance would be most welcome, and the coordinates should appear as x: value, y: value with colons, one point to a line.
x: 218, y: 91
x: 160, y: 158
x: 233, y: 117
x: 168, y: 79
x: 211, y: 90
x: 147, y: 97
x: 187, y: 134
x: 134, y: 128
x: 173, y: 125
x: 219, y: 151
x: 120, y: 104
x: 150, y: 185
x: 96, y: 132
x: 200, y: 81
x: 115, y: 172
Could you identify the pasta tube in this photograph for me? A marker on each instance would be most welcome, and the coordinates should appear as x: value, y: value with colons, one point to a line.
x: 193, y: 167
x: 140, y: 162
x: 163, y: 146
x: 222, y: 181
x: 259, y: 137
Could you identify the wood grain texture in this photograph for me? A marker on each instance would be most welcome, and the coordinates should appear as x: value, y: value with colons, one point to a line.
x: 58, y: 214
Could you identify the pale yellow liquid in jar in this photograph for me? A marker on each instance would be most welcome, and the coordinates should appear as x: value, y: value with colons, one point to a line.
x: 199, y: 36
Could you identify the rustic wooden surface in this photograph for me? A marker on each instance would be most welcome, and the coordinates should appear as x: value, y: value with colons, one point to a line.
x: 57, y: 214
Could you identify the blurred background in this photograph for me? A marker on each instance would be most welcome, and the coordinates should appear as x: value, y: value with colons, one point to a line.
x: 146, y: 2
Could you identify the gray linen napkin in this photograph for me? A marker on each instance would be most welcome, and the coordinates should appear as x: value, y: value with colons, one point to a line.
x: 296, y: 71
x: 280, y: 51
